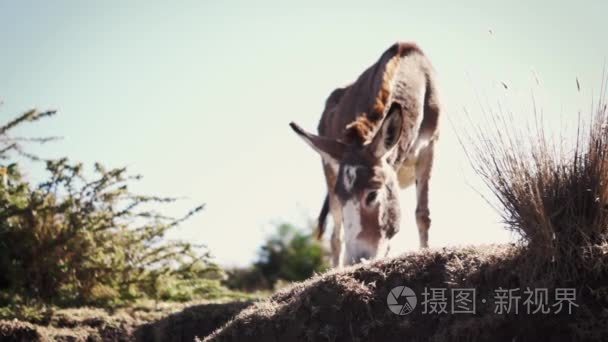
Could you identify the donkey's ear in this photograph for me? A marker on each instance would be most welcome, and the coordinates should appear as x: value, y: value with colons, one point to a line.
x: 389, y: 133
x: 330, y: 149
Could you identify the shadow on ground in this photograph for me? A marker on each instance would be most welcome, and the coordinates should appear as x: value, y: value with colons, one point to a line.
x: 93, y: 325
x: 198, y: 320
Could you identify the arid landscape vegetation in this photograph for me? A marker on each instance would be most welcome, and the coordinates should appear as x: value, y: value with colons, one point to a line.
x: 553, y: 196
x: 85, y: 259
x: 157, y: 181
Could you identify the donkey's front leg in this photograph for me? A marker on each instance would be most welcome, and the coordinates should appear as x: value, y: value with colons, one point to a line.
x: 336, y: 245
x: 424, y: 165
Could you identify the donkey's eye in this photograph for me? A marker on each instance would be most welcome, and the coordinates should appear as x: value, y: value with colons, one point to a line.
x: 371, y: 198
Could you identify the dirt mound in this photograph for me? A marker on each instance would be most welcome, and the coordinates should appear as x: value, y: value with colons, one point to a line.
x: 351, y: 304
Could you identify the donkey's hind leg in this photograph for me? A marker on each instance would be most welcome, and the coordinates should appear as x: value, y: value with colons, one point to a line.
x: 424, y: 165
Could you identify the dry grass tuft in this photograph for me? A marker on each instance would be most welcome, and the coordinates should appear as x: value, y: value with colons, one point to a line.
x: 554, y: 195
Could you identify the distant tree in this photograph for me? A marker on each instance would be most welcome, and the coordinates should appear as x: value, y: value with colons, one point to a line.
x: 290, y: 255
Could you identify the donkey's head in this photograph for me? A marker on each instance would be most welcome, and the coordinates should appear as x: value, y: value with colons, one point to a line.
x: 366, y: 186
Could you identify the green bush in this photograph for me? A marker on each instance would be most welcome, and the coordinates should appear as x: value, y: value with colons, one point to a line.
x: 75, y: 239
x: 287, y: 255
x: 249, y: 279
x: 290, y: 255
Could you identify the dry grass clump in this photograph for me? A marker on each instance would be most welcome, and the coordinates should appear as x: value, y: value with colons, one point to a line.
x: 553, y: 194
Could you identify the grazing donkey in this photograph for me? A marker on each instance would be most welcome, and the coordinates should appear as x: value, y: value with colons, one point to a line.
x: 375, y: 136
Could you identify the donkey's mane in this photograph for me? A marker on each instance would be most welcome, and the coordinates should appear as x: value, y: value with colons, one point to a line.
x: 361, y: 130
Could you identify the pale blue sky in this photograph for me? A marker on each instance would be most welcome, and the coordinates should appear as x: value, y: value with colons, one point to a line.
x: 197, y: 95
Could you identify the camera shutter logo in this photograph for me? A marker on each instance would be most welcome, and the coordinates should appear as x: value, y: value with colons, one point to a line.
x: 401, y: 300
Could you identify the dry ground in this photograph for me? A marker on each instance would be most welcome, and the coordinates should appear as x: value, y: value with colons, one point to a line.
x: 350, y: 305
x: 148, y: 322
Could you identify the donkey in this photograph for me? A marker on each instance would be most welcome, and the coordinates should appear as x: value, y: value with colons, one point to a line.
x: 377, y: 135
